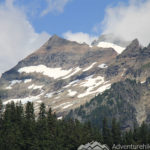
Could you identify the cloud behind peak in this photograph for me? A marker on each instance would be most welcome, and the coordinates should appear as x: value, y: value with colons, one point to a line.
x: 129, y: 21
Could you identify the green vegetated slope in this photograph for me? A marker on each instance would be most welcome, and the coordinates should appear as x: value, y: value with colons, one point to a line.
x: 122, y: 101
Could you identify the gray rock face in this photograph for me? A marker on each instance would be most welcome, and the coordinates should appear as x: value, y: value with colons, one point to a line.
x: 132, y: 50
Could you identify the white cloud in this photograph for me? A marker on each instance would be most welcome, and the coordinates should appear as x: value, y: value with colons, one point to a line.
x: 17, y: 36
x: 54, y: 5
x: 79, y: 37
x: 129, y: 21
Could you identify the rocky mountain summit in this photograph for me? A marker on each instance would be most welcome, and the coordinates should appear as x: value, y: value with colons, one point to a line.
x: 65, y: 75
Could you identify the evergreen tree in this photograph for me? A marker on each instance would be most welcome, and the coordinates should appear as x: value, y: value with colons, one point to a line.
x: 144, y: 133
x: 116, y: 133
x: 128, y: 139
x: 29, y: 112
x: 42, y: 129
x: 136, y: 134
x: 42, y: 113
x: 107, y: 137
x: 29, y: 132
x: 1, y: 108
x: 1, y: 111
x: 11, y: 133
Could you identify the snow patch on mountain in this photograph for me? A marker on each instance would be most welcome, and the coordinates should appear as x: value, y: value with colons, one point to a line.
x: 117, y: 48
x: 67, y: 106
x: 143, y: 81
x: 24, y: 100
x: 91, y: 66
x: 49, y: 95
x: 61, y: 105
x: 72, y: 83
x: 60, y: 118
x: 27, y: 80
x: 34, y: 87
x: 72, y: 93
x: 50, y: 72
x: 8, y: 87
x: 76, y: 70
x: 12, y: 83
x: 39, y: 101
x: 90, y: 91
x: 103, y: 66
x: 57, y: 97
x: 92, y: 83
x: 15, y: 82
x: 103, y: 88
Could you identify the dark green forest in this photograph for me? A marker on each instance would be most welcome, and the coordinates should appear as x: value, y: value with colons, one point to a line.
x: 20, y: 129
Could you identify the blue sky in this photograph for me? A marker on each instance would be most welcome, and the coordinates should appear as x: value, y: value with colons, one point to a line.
x: 77, y: 15
x: 26, y: 25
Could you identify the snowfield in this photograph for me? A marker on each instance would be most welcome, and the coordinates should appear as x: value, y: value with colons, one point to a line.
x: 117, y: 48
x: 50, y: 72
x: 92, y: 83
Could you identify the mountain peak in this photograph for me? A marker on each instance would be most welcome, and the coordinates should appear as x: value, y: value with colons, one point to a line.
x: 56, y: 41
x: 134, y: 46
x: 135, y: 42
x: 54, y: 37
x: 132, y: 50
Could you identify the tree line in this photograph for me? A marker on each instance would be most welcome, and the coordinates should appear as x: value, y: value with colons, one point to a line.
x: 21, y: 129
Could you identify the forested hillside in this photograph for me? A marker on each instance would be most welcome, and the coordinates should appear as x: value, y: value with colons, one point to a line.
x: 20, y: 130
x: 123, y: 101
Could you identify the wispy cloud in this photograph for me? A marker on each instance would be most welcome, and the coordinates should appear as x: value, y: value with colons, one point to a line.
x: 79, y: 37
x: 17, y: 36
x: 129, y: 21
x: 54, y: 5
